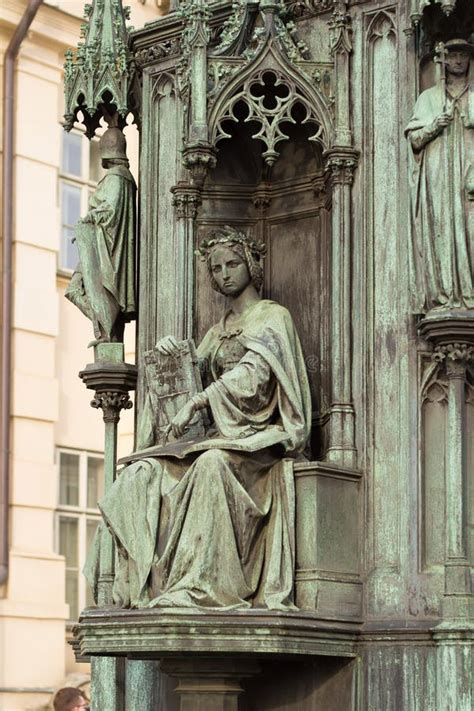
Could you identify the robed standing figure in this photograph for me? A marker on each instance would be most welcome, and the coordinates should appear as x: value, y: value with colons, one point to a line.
x: 212, y: 526
x: 441, y: 134
x: 103, y: 285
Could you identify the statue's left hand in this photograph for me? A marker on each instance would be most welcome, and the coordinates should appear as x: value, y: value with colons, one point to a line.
x: 182, y: 419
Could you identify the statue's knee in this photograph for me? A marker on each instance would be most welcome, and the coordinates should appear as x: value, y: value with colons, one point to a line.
x: 212, y: 461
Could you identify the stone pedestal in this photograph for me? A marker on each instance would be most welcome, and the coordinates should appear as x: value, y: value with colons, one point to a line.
x: 207, y: 660
x: 207, y: 684
x: 107, y: 684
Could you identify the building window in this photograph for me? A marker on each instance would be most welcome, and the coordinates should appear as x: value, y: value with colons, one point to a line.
x: 81, y: 170
x: 81, y: 480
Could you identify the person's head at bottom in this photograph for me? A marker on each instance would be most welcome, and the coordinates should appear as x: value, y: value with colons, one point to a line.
x: 70, y: 699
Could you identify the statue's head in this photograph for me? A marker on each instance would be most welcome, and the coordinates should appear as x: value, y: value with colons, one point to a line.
x: 113, y: 146
x: 459, y: 56
x: 233, y: 260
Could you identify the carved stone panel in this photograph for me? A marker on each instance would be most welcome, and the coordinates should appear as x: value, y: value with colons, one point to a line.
x: 433, y: 462
x: 384, y: 294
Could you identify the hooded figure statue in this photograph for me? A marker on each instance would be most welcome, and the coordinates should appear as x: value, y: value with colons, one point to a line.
x: 441, y: 134
x: 103, y: 285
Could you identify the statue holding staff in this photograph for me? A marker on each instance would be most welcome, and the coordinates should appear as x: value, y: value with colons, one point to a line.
x: 441, y: 135
x: 103, y: 285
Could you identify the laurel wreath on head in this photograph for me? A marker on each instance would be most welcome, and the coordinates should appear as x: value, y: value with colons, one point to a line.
x: 229, y: 235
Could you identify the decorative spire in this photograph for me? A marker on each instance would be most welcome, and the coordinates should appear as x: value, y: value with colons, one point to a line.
x: 97, y: 76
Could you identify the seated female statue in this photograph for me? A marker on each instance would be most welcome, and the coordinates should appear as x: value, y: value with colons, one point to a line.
x: 215, y: 528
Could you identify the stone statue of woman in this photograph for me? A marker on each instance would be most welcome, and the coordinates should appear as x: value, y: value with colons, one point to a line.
x: 103, y: 285
x: 213, y: 525
x: 441, y: 134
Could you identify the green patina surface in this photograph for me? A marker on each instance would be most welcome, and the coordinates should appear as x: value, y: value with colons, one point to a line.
x: 370, y: 248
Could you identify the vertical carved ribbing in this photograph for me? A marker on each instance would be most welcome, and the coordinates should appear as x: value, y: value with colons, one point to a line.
x: 186, y: 201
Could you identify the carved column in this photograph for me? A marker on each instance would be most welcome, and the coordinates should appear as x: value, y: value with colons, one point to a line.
x: 341, y: 161
x: 186, y: 201
x: 262, y: 201
x: 340, y: 164
x: 198, y: 154
x: 453, y: 337
x: 456, y: 358
x: 341, y: 48
x: 112, y: 379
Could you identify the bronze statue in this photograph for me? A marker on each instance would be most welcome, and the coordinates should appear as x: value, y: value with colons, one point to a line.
x: 103, y: 285
x: 441, y: 134
x: 210, y: 523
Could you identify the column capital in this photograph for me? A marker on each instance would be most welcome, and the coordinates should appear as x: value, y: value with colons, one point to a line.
x: 452, y: 334
x: 111, y: 403
x: 340, y: 163
x: 262, y: 198
x: 186, y: 200
x: 456, y: 357
x: 199, y: 158
x: 111, y: 379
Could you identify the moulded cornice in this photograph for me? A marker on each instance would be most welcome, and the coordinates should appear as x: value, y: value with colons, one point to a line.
x: 256, y: 632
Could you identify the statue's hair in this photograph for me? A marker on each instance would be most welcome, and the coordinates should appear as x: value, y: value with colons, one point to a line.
x: 249, y: 250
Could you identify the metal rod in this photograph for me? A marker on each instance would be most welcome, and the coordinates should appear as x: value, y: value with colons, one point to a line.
x: 107, y: 553
x: 7, y: 232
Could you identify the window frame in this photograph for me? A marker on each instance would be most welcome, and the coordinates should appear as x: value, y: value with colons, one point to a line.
x: 83, y: 181
x: 82, y: 513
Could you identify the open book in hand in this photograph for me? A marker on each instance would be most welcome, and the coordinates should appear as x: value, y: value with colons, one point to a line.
x: 172, y: 381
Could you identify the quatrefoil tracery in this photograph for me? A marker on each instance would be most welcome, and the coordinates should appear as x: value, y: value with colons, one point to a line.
x: 271, y: 100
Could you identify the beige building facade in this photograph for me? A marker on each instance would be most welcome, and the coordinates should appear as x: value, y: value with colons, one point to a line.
x: 56, y: 438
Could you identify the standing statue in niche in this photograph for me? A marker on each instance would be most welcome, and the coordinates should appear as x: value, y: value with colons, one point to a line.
x: 441, y: 134
x: 209, y: 523
x: 103, y: 285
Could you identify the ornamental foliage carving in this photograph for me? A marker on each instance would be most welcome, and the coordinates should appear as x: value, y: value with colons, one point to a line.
x: 99, y: 74
x: 111, y: 403
x: 454, y: 351
x: 257, y: 70
x: 340, y: 32
x: 160, y: 50
x: 308, y: 8
x: 196, y: 33
x: 251, y: 26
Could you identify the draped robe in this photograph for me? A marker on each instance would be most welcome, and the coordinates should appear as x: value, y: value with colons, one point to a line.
x: 442, y: 173
x: 210, y: 523
x: 102, y: 286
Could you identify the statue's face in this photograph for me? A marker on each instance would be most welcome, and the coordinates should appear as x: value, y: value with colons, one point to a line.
x: 457, y: 63
x: 229, y: 271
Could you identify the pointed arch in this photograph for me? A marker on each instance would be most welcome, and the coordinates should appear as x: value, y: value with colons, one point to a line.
x: 381, y: 25
x: 299, y: 90
x: 164, y: 84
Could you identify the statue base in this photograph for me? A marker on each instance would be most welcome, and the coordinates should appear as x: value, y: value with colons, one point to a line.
x: 444, y: 327
x: 209, y: 660
x: 109, y: 372
x: 155, y: 633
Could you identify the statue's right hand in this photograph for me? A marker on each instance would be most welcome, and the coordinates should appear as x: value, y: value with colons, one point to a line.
x: 168, y: 345
x: 442, y: 121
